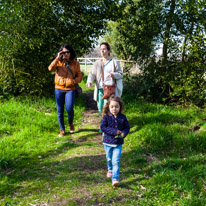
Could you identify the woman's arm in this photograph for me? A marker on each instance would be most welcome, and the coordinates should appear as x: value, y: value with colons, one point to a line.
x: 117, y: 73
x: 92, y: 75
x: 53, y: 66
x: 78, y: 76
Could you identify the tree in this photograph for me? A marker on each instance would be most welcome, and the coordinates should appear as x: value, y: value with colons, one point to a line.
x: 32, y: 31
x: 134, y: 35
x: 177, y: 25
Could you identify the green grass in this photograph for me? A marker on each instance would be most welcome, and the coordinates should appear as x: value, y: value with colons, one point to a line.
x: 163, y: 160
x: 167, y: 153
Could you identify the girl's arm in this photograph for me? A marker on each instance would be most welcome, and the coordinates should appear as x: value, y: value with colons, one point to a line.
x: 106, y: 129
x: 126, y: 129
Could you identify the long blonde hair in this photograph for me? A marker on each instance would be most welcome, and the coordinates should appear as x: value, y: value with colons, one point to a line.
x: 116, y: 99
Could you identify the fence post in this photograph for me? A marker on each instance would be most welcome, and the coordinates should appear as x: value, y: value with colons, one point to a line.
x: 85, y: 65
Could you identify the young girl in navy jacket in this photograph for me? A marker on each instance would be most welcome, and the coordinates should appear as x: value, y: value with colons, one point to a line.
x: 115, y: 128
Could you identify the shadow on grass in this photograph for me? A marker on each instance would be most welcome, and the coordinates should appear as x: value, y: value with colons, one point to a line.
x: 89, y: 171
x: 182, y: 175
x: 76, y: 170
x: 83, y: 135
x: 87, y: 130
x: 164, y: 119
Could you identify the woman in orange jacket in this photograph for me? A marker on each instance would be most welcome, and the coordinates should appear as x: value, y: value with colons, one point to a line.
x: 64, y: 65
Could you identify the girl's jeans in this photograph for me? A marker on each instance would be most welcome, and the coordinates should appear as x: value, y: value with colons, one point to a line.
x: 67, y: 98
x: 100, y: 102
x: 113, y: 155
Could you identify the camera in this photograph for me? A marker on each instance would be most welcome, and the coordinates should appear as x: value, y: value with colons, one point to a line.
x: 61, y: 56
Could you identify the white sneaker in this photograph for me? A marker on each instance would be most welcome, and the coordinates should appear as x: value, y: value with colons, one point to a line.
x: 115, y: 183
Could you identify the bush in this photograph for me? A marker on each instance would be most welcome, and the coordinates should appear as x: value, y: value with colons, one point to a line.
x: 178, y: 82
x: 25, y: 77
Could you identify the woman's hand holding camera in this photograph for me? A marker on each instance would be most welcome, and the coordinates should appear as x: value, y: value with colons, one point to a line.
x: 60, y: 55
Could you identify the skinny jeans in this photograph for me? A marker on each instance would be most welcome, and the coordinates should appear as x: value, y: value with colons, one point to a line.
x: 65, y: 97
x: 113, y: 155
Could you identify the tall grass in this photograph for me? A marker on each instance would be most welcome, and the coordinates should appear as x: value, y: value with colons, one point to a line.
x: 160, y: 127
x: 29, y: 127
x: 167, y: 144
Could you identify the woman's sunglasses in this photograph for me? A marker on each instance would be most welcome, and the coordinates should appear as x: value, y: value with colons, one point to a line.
x: 66, y: 52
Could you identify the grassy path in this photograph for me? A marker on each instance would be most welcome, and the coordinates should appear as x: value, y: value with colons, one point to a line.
x: 67, y: 171
x: 84, y: 169
x: 88, y: 165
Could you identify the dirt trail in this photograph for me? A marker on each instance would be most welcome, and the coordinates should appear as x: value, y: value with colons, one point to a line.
x: 89, y: 128
x: 91, y: 113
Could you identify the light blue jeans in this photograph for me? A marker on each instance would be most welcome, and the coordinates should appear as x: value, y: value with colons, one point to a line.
x: 113, y: 155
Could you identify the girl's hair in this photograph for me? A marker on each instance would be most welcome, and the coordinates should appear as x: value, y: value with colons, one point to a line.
x: 107, y: 45
x: 116, y: 99
x: 68, y: 47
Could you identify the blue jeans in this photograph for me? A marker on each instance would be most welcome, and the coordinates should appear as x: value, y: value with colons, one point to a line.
x: 113, y: 155
x: 67, y: 98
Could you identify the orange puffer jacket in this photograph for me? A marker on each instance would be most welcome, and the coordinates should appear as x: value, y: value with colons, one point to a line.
x: 63, y: 77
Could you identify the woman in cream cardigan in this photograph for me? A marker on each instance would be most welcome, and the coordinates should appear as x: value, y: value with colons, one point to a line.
x: 112, y: 73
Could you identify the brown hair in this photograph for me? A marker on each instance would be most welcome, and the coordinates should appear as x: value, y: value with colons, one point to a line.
x: 107, y: 45
x: 69, y: 48
x: 116, y: 99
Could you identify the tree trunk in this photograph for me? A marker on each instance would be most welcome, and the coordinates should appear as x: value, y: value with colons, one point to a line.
x: 167, y: 32
x: 185, y: 41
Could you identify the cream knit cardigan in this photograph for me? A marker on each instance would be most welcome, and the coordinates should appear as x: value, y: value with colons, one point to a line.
x: 95, y: 74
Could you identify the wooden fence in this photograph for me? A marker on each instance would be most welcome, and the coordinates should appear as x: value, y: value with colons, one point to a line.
x: 87, y: 63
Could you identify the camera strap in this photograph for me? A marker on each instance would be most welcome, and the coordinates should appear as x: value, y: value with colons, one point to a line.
x: 69, y: 69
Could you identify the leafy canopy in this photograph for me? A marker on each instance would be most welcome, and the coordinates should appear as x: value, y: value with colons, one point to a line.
x: 178, y: 28
x: 32, y: 31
